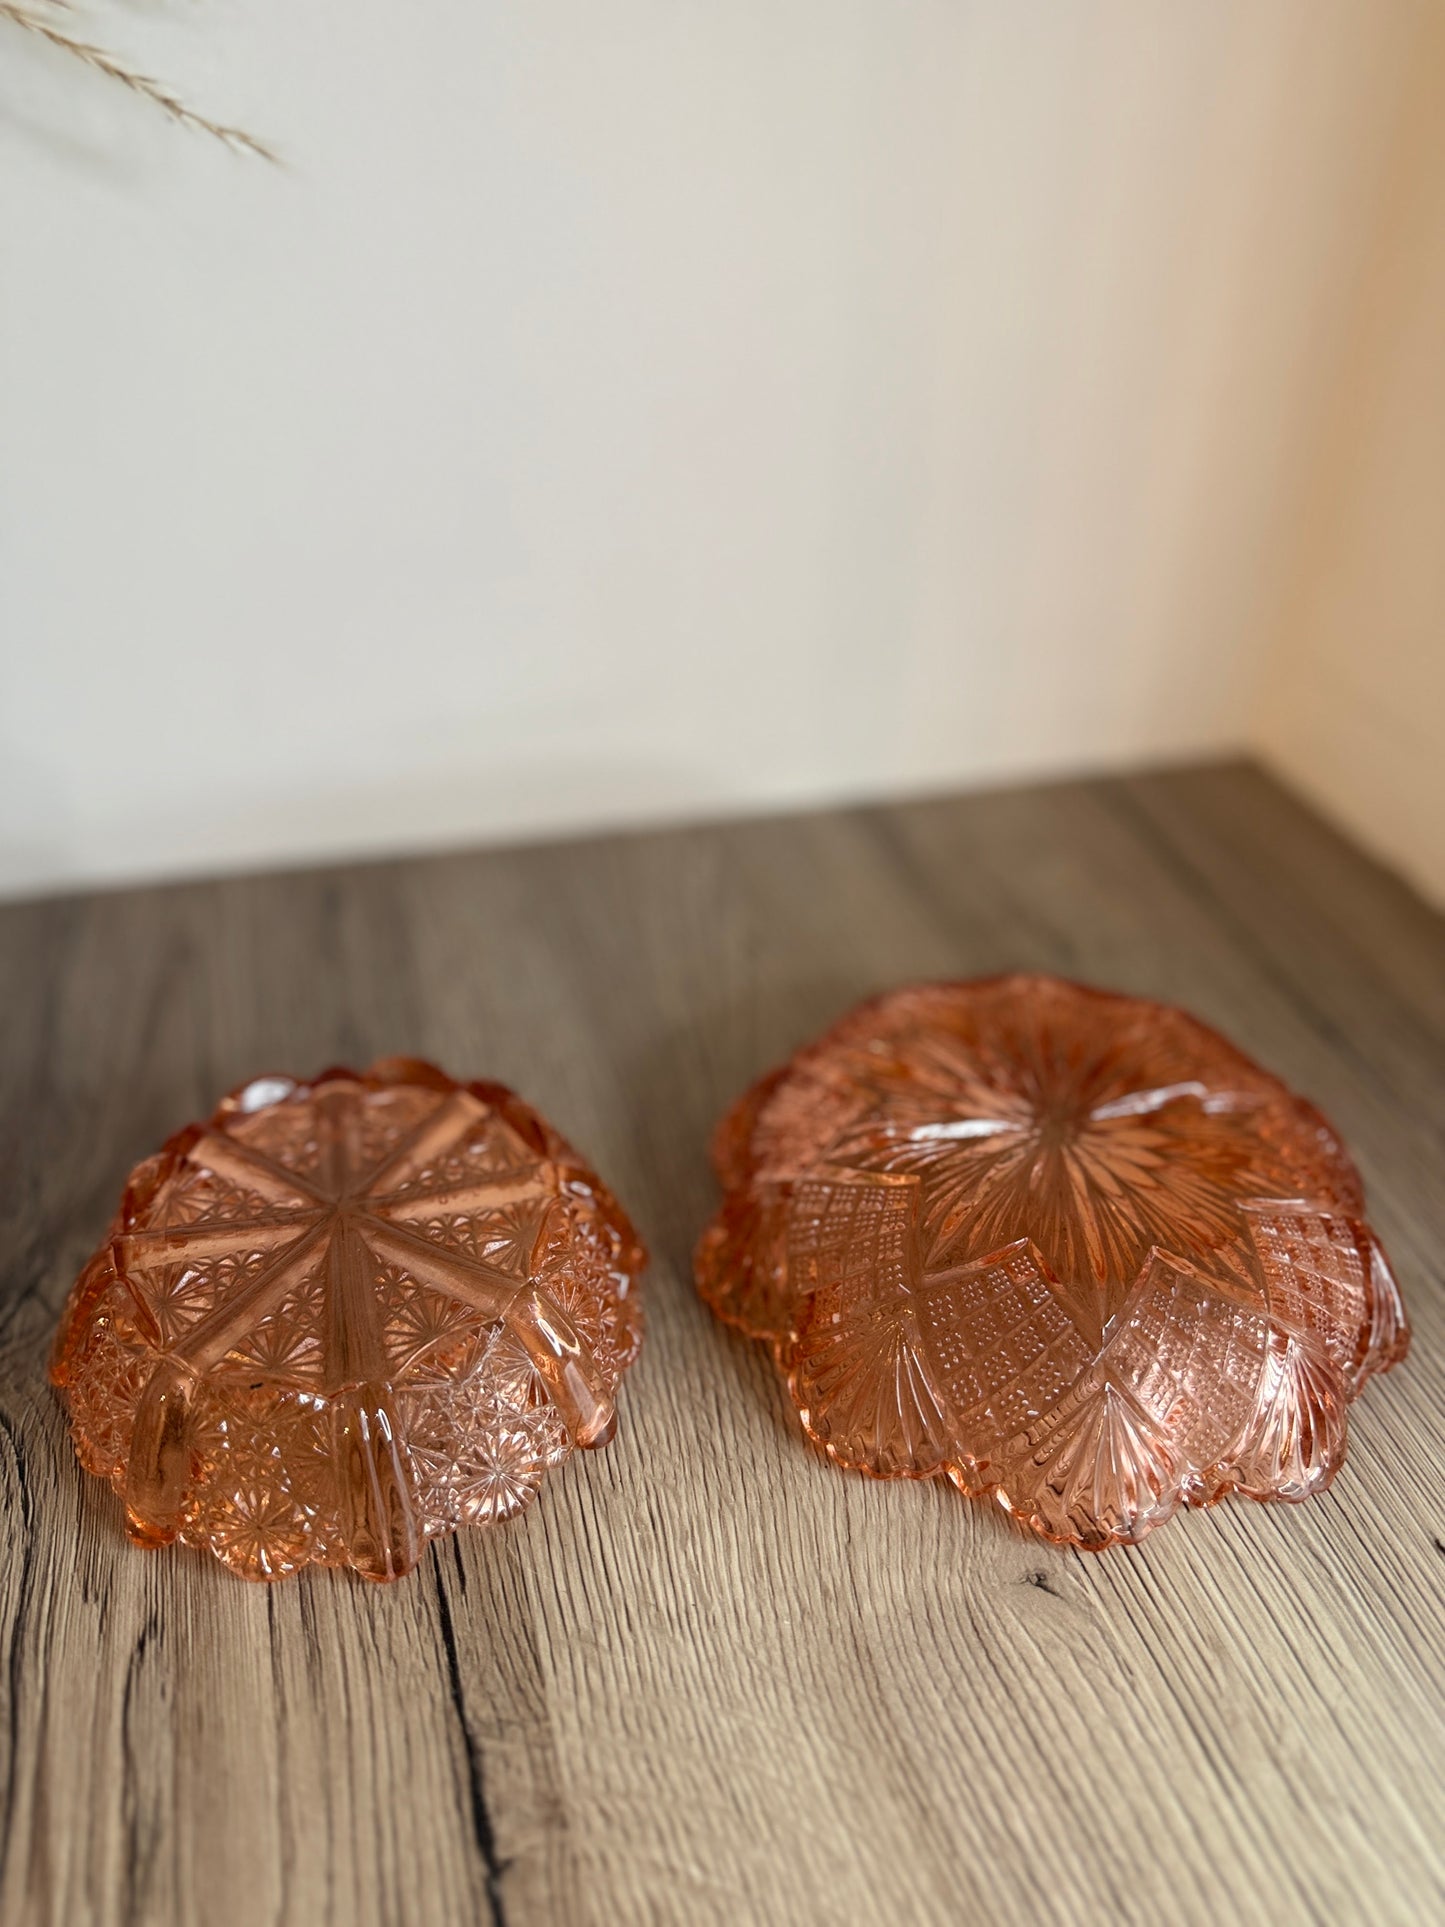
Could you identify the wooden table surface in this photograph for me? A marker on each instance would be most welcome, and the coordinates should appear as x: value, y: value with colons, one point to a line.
x: 708, y: 1677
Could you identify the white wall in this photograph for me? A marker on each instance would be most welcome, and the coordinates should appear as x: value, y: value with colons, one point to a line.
x: 647, y: 408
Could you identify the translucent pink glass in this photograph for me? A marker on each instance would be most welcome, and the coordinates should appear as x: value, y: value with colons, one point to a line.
x: 1066, y: 1248
x: 345, y: 1315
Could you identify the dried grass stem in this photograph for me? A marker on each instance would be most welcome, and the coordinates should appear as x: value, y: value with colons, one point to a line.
x: 114, y: 69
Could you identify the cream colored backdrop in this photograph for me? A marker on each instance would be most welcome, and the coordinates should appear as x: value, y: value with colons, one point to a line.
x: 623, y: 409
x: 1351, y: 706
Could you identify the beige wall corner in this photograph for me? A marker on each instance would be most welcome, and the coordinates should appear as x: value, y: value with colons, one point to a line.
x: 1350, y: 705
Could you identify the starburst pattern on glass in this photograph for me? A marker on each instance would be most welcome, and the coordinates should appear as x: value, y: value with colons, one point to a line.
x: 345, y: 1315
x: 1063, y: 1247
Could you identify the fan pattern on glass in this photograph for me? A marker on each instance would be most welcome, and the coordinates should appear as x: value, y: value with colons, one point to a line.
x: 346, y: 1315
x: 1066, y: 1248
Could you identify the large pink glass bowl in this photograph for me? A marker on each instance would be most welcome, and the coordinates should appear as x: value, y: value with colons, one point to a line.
x: 1069, y: 1249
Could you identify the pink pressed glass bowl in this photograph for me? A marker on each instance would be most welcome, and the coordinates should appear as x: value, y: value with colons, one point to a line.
x: 342, y: 1316
x: 1067, y: 1248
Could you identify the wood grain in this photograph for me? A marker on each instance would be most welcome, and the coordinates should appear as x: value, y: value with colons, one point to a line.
x: 709, y: 1677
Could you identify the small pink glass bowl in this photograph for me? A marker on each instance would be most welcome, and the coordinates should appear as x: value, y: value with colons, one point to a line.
x: 346, y: 1315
